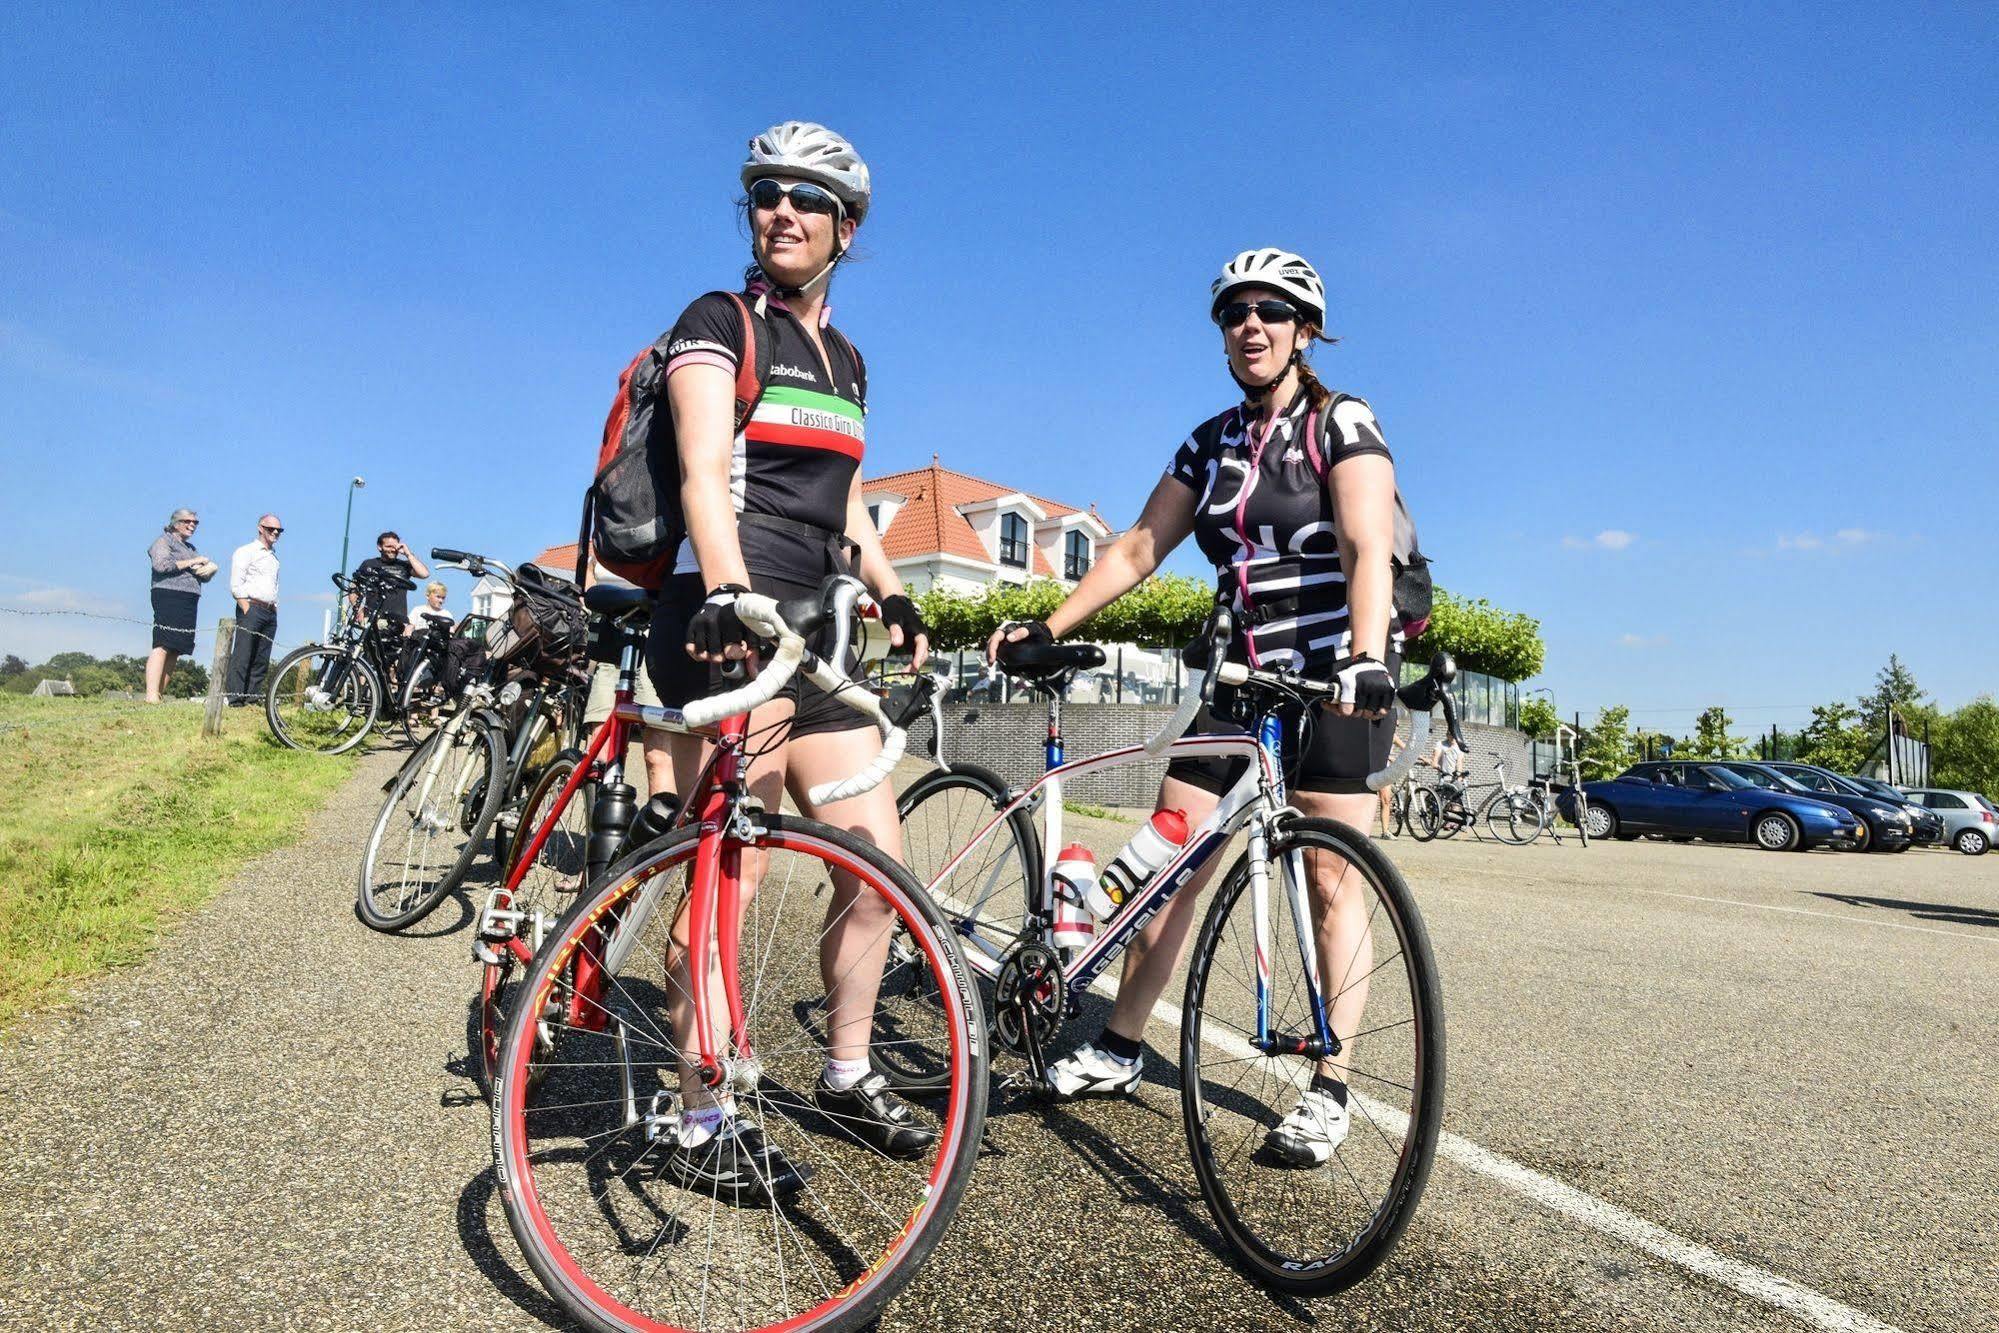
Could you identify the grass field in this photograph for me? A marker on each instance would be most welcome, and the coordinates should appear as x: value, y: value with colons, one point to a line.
x: 115, y: 818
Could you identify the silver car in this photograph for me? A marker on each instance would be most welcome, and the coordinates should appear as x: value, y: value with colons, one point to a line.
x: 1969, y: 823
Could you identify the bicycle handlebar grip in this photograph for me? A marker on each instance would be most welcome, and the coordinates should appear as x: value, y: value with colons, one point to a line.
x: 1419, y: 732
x: 826, y: 793
x: 1183, y: 716
x: 448, y: 556
x: 760, y: 614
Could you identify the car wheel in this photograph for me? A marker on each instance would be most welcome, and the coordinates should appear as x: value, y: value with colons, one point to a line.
x: 1972, y: 842
x: 1601, y: 822
x: 1777, y: 832
x: 1866, y: 839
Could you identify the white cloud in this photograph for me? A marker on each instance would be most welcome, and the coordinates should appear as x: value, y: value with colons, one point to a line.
x: 34, y: 595
x: 1610, y: 539
x: 1854, y: 536
x: 1843, y: 539
x: 1643, y: 640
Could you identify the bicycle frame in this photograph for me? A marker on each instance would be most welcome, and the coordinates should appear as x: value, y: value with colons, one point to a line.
x: 1256, y: 800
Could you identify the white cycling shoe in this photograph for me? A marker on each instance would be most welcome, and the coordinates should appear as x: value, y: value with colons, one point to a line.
x: 1088, y: 1072
x: 1316, y: 1126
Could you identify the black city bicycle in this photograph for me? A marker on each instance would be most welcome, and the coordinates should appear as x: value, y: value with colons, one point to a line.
x: 327, y: 697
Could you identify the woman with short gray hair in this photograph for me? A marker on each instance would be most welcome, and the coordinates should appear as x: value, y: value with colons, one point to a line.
x: 178, y: 573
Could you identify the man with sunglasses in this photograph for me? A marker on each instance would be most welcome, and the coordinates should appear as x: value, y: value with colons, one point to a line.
x: 253, y: 582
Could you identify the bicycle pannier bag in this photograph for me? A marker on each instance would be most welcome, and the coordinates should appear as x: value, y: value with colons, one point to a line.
x: 545, y: 624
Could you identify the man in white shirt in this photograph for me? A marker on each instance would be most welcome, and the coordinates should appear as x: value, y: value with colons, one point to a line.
x: 253, y: 582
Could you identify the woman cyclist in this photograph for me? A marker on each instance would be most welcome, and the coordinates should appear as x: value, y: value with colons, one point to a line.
x: 1301, y: 549
x: 775, y: 509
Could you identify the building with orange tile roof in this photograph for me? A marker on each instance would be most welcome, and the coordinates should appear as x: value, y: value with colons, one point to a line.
x: 949, y: 529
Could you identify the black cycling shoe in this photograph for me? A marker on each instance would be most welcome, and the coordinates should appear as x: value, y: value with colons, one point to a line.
x: 737, y: 1166
x: 869, y: 1112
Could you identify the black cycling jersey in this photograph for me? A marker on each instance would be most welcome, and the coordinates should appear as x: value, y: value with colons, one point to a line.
x: 396, y: 602
x: 796, y: 456
x: 1265, y: 517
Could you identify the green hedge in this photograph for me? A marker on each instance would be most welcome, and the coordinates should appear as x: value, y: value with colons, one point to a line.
x: 1169, y: 609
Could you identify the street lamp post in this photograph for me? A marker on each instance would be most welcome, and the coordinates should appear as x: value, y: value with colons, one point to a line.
x: 345, y: 527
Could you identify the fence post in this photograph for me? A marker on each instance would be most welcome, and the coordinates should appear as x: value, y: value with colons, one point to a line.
x: 211, y: 717
x: 1120, y: 673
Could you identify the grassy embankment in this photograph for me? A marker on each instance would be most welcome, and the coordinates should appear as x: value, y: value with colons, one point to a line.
x: 117, y: 818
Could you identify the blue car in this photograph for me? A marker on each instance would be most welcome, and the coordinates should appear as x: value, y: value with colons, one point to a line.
x: 1697, y: 800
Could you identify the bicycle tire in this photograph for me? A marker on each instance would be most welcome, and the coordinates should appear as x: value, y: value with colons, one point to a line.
x: 526, y: 1186
x: 564, y: 853
x: 422, y: 676
x: 1291, y: 1261
x: 1517, y: 809
x: 1426, y: 814
x: 469, y: 801
x: 350, y: 710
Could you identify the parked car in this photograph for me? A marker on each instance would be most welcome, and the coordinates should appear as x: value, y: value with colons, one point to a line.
x: 1929, y: 824
x: 1967, y: 816
x: 1707, y: 800
x: 1825, y: 782
x: 1887, y: 825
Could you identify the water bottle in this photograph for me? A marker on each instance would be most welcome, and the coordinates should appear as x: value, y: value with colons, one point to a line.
x: 1075, y: 882
x: 1157, y: 841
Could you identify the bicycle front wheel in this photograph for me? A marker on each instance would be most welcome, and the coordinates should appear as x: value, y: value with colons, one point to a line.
x: 1320, y: 1220
x: 431, y: 826
x: 546, y: 889
x: 323, y: 699
x: 607, y: 1204
x: 1426, y: 813
x: 1515, y: 818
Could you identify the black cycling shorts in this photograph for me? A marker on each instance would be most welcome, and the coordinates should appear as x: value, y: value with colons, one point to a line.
x: 1336, y: 757
x: 680, y: 679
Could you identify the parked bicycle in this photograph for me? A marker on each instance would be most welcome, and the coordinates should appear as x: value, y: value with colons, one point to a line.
x: 690, y: 972
x: 327, y: 697
x: 1262, y: 1009
x: 473, y: 775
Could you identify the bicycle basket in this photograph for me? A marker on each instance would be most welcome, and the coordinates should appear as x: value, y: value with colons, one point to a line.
x: 545, y: 627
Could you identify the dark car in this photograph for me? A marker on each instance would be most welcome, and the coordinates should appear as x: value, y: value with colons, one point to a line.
x: 1706, y: 800
x: 1889, y: 827
x: 1932, y: 830
x: 1830, y: 785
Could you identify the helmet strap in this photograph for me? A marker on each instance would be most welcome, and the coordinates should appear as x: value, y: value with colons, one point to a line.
x: 1255, y: 394
x: 792, y: 293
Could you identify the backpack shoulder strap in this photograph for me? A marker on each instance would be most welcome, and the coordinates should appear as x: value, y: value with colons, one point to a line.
x: 753, y: 371
x: 1315, y: 432
x: 860, y: 366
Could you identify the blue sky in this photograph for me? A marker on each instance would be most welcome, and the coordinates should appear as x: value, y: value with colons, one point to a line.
x: 1681, y: 327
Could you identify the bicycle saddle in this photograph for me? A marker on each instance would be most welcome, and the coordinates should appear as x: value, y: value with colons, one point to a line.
x: 1045, y: 659
x: 614, y: 599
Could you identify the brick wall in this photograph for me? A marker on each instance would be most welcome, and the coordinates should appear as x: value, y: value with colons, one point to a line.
x: 1008, y: 739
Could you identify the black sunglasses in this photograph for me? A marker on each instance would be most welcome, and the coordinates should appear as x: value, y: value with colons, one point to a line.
x: 1236, y: 313
x: 805, y: 197
x: 275, y: 532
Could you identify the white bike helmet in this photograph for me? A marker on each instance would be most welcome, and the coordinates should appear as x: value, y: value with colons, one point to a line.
x: 1280, y: 271
x: 811, y: 152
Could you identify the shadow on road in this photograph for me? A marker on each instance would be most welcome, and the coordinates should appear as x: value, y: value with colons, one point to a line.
x: 475, y: 1201
x: 1960, y: 916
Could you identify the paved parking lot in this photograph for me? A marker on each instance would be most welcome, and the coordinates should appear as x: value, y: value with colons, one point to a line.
x: 1689, y: 1086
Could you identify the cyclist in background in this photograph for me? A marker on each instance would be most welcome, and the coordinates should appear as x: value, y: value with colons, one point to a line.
x: 775, y: 510
x: 1301, y: 551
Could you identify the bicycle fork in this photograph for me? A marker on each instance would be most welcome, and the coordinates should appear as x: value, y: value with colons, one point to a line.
x: 1321, y: 1042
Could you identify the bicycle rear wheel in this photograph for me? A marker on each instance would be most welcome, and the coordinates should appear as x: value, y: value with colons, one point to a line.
x: 1515, y: 818
x: 431, y: 826
x: 1426, y: 813
x: 1321, y: 1228
x: 546, y: 890
x: 323, y: 699
x: 587, y: 1098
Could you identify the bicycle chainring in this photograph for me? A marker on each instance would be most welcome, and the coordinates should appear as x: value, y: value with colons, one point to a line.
x: 1027, y: 1000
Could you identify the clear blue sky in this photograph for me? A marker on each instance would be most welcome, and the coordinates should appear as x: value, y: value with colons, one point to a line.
x: 1681, y: 326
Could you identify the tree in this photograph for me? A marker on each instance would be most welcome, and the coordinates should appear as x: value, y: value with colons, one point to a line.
x: 1481, y: 637
x: 1964, y: 751
x: 11, y: 666
x: 1537, y: 717
x: 188, y: 681
x: 1894, y: 687
x: 1711, y: 739
x: 1834, y: 739
x: 1606, y: 744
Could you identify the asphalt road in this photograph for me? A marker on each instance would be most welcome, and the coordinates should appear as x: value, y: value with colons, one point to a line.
x: 1689, y: 1086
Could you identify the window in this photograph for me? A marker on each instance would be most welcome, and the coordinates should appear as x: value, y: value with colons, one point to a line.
x: 1945, y: 801
x: 1075, y: 555
x: 1013, y: 541
x: 875, y: 516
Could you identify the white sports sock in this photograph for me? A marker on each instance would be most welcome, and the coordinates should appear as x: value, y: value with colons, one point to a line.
x: 844, y: 1074
x: 700, y: 1125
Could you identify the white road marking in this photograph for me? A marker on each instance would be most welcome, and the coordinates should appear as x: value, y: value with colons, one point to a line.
x: 1598, y: 1215
x: 1830, y: 916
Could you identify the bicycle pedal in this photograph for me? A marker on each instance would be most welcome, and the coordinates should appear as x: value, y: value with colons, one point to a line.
x: 484, y: 952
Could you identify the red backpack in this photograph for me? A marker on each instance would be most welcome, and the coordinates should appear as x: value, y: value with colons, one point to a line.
x: 632, y: 521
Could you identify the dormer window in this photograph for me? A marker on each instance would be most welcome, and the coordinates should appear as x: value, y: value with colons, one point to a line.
x: 1075, y: 555
x: 1013, y: 541
x: 875, y: 516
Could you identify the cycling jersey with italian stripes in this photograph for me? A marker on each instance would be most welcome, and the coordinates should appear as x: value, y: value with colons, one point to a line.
x: 1265, y: 518
x: 796, y: 456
